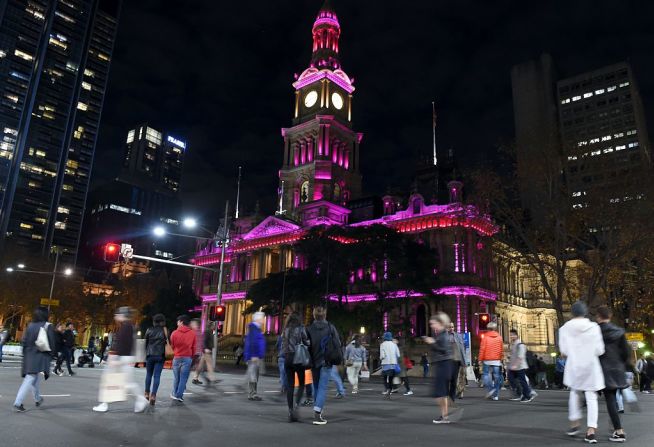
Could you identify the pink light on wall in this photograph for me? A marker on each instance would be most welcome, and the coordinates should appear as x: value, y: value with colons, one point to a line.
x: 456, y: 257
x: 326, y: 21
x: 399, y: 294
x: 459, y: 298
x: 385, y: 321
x: 346, y: 162
x: 227, y: 296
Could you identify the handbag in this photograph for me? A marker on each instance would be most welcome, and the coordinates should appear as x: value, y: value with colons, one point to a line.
x: 168, y: 349
x: 42, y: 343
x: 112, y: 387
x: 301, y: 356
x: 365, y: 375
x: 629, y: 396
x: 349, y: 362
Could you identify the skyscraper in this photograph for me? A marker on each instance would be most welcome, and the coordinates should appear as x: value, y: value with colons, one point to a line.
x: 54, y: 65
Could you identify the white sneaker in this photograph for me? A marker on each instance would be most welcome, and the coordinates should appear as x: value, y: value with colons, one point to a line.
x: 409, y: 393
x: 141, y: 404
x: 496, y: 398
x: 101, y: 408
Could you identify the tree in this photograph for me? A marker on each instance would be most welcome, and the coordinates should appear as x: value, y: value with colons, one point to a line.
x: 171, y: 301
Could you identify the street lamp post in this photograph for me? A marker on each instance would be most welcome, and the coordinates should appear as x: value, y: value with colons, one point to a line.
x: 54, y: 274
x: 219, y: 292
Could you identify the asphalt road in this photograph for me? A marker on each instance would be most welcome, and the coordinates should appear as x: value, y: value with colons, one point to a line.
x: 224, y: 417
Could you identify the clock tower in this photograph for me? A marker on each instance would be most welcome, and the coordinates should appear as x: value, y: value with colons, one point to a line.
x: 321, y: 151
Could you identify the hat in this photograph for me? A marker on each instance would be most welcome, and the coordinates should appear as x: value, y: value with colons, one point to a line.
x: 388, y: 336
x: 579, y: 309
x: 124, y: 311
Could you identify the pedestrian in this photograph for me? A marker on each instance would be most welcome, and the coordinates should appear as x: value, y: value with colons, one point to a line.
x: 156, y: 338
x: 325, y: 351
x: 580, y: 340
x: 293, y: 336
x: 90, y: 348
x: 67, y: 346
x: 183, y: 342
x: 197, y: 355
x: 254, y: 353
x: 441, y: 362
x: 457, y: 383
x: 424, y: 361
x: 541, y: 375
x: 103, y: 348
x: 281, y: 364
x: 614, y: 361
x: 4, y: 337
x: 238, y: 353
x: 355, y: 362
x: 389, y: 355
x: 490, y: 354
x: 517, y: 371
x: 58, y: 348
x: 406, y: 365
x: 644, y: 382
x: 205, y: 364
x: 559, y: 368
x: 121, y: 360
x: 37, y: 343
x: 649, y: 373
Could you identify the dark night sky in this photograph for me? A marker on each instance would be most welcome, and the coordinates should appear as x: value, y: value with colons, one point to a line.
x: 219, y: 74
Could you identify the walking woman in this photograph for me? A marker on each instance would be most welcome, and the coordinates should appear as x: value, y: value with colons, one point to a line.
x: 36, y: 358
x: 389, y: 355
x: 441, y: 361
x: 355, y: 362
x: 156, y: 339
x: 294, y: 335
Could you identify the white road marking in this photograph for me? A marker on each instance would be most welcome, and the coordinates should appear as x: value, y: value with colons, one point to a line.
x: 55, y: 395
x: 234, y: 392
x: 272, y: 392
x: 188, y: 393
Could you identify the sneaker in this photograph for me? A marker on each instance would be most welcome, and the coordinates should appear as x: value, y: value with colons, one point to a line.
x: 516, y: 399
x: 394, y: 391
x: 180, y: 399
x: 533, y: 393
x: 173, y: 397
x: 384, y: 393
x: 441, y: 420
x: 307, y: 403
x: 409, y: 393
x: 39, y: 403
x: 256, y: 398
x: 339, y: 396
x: 621, y: 411
x: 615, y: 437
x: 495, y: 398
x: 19, y: 408
x: 141, y: 404
x: 573, y: 431
x: 355, y: 391
x: 590, y: 438
x: 196, y: 382
x: 318, y: 419
x: 101, y: 408
x: 489, y: 395
x: 60, y: 373
x: 527, y: 400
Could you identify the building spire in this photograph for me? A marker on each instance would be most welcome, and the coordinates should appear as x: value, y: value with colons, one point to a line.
x: 433, y: 117
x: 326, y: 32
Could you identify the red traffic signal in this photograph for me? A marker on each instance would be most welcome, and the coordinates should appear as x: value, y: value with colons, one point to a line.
x: 217, y: 313
x: 112, y: 252
x: 484, y: 319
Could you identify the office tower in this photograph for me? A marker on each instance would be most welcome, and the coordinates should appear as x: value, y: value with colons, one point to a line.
x: 54, y: 66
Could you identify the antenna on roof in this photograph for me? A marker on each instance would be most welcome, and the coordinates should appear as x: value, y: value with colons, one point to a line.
x: 238, y: 192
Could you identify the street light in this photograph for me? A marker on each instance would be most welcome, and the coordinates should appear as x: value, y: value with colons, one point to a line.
x: 68, y: 272
x: 159, y: 231
x: 9, y: 269
x: 21, y: 266
x: 190, y: 222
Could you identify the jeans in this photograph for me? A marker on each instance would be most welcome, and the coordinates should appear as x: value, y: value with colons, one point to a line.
x: 320, y: 383
x: 353, y: 375
x: 1, y: 345
x: 181, y: 371
x: 283, y: 380
x: 492, y: 378
x: 336, y: 377
x: 519, y: 377
x: 30, y: 382
x: 574, y: 407
x: 153, y: 366
x: 612, y: 408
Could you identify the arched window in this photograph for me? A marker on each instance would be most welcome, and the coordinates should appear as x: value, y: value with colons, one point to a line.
x: 304, y: 192
x: 337, y: 192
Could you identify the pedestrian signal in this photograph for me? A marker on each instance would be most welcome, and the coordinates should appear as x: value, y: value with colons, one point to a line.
x: 112, y: 252
x: 484, y: 319
x: 217, y: 313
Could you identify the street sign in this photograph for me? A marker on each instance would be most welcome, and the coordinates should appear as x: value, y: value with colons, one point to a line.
x: 634, y: 336
x: 126, y: 251
x: 49, y: 302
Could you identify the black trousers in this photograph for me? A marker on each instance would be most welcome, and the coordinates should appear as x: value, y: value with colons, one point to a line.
x: 612, y: 408
x: 388, y: 379
x: 291, y: 370
x: 645, y: 383
x: 65, y: 354
x: 454, y: 379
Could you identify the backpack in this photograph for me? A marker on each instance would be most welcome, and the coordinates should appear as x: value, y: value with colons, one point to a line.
x: 331, y: 348
x: 42, y: 342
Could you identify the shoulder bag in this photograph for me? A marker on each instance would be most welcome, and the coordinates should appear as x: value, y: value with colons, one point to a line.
x: 168, y: 349
x: 42, y: 343
x: 301, y: 356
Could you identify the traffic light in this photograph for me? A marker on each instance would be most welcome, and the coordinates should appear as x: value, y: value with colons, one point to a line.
x: 484, y: 319
x: 217, y: 313
x: 112, y: 252
x: 219, y: 328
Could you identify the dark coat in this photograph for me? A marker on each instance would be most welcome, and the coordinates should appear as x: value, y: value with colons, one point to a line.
x: 35, y: 361
x: 441, y: 349
x: 318, y: 331
x: 155, y: 341
x: 615, y: 358
x: 293, y: 337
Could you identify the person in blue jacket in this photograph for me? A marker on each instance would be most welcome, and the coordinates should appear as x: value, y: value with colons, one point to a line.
x: 255, y: 351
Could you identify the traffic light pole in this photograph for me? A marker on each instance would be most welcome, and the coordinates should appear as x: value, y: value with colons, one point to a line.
x: 219, y: 292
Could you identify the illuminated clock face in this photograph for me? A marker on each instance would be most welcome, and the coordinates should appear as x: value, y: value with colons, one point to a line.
x: 337, y: 100
x: 310, y: 98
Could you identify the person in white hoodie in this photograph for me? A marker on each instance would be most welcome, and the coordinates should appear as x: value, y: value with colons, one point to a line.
x: 389, y: 354
x: 580, y: 340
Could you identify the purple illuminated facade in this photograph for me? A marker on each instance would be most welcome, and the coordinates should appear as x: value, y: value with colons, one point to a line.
x: 319, y: 179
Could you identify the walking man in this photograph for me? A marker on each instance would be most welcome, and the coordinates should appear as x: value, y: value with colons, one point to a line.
x: 205, y: 364
x: 644, y: 382
x: 254, y: 353
x: 457, y: 383
x: 518, y: 369
x: 325, y: 350
x: 183, y: 342
x: 580, y: 340
x: 490, y: 354
x: 614, y: 365
x: 67, y: 346
x: 4, y: 336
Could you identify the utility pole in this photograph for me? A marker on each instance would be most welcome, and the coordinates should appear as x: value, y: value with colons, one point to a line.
x: 54, y: 274
x: 219, y: 292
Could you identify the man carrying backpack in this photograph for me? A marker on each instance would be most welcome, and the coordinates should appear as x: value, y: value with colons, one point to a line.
x: 325, y: 352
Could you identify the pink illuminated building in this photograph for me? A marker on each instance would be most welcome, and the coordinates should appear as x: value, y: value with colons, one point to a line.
x: 319, y: 180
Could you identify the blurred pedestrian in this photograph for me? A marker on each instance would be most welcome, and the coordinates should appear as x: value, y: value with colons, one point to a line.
x: 156, y: 338
x: 67, y: 347
x: 580, y: 340
x: 37, y: 343
x: 491, y: 352
x: 293, y: 337
x: 183, y: 342
x: 121, y: 360
x: 255, y: 353
x: 406, y: 365
x: 58, y: 347
x: 541, y: 375
x: 205, y: 364
x: 90, y: 348
x: 103, y: 348
x: 238, y: 353
x: 281, y: 364
x: 389, y: 355
x: 559, y: 368
x: 614, y: 363
x: 4, y: 337
x: 325, y: 351
x: 197, y: 355
x: 441, y: 362
x: 644, y: 382
x: 457, y: 383
x: 424, y: 361
x: 355, y: 362
x: 517, y: 371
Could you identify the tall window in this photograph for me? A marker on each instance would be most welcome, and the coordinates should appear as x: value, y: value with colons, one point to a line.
x: 304, y: 192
